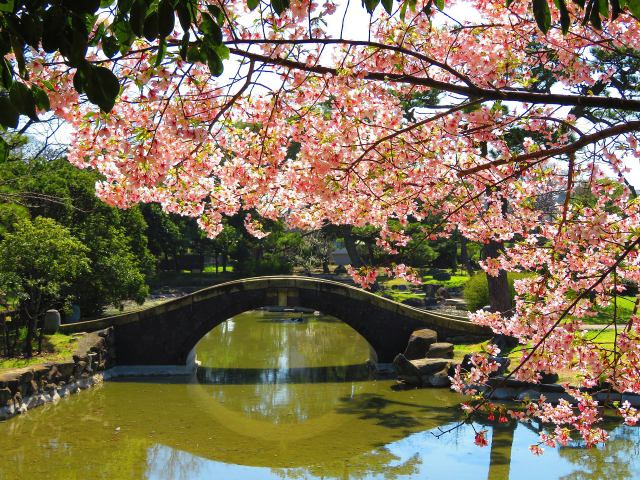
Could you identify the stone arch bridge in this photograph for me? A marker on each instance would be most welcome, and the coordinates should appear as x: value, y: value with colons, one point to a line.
x: 166, y: 334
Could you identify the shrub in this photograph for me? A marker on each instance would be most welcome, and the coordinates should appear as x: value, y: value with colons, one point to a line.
x: 476, y: 290
x: 441, y: 276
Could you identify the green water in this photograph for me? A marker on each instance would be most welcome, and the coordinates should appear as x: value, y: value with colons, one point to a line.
x: 276, y: 399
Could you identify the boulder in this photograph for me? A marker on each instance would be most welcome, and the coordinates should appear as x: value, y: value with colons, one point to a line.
x: 503, y: 363
x: 413, y: 302
x: 440, y: 350
x: 5, y: 396
x: 548, y: 377
x: 419, y: 372
x: 406, y: 371
x: 419, y: 343
x: 439, y: 379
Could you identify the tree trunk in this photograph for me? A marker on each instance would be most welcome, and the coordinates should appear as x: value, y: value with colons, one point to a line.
x: 224, y: 263
x: 350, y: 245
x: 28, y: 345
x: 464, y: 255
x: 499, y: 297
x: 325, y: 266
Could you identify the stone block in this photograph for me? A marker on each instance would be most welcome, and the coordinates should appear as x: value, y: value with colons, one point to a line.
x: 438, y: 379
x: 440, y: 350
x: 419, y: 343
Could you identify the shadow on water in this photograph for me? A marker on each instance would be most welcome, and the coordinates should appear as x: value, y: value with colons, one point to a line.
x: 394, y: 414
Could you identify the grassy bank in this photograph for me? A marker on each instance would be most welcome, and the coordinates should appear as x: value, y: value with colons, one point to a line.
x: 55, y: 348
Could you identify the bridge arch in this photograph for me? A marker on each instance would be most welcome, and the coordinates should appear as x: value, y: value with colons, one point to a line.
x: 167, y: 333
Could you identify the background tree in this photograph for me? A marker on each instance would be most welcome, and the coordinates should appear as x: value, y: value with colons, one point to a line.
x: 39, y: 261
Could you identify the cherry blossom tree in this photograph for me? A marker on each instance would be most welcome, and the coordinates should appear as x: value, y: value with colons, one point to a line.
x: 307, y: 122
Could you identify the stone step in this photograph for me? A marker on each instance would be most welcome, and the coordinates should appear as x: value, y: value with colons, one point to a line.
x: 424, y: 371
x: 419, y: 343
x: 440, y: 350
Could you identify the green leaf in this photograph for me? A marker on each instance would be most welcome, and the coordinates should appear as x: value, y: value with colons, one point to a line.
x: 370, y: 5
x: 55, y: 19
x: 195, y: 55
x: 110, y: 46
x: 137, y: 16
x: 211, y: 30
x: 124, y: 6
x: 30, y: 28
x: 565, y: 20
x: 615, y: 9
x: 253, y: 4
x: 184, y: 46
x: 151, y: 26
x: 6, y: 6
x: 594, y: 17
x: 403, y: 9
x: 166, y: 18
x: 222, y: 51
x: 217, y: 13
x: 279, y: 6
x: 6, y: 74
x: 440, y: 4
x: 9, y: 116
x: 102, y: 87
x: 41, y: 98
x: 542, y: 15
x: 603, y: 8
x: 388, y: 6
x: 79, y: 80
x: 22, y: 99
x: 123, y: 33
x: 106, y: 3
x: 215, y: 63
x: 634, y: 7
x: 184, y: 15
x: 5, y: 43
x: 162, y: 50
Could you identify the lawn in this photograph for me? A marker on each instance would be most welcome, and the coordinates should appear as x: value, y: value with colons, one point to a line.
x: 603, y: 337
x: 55, y: 348
x: 456, y: 281
x: 624, y: 308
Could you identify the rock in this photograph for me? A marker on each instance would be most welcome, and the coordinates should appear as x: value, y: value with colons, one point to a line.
x: 413, y: 302
x: 551, y: 397
x: 419, y: 343
x: 51, y: 321
x: 548, y: 377
x: 633, y: 399
x: 504, y: 393
x: 406, y: 371
x: 427, y: 366
x: 503, y: 363
x: 65, y: 369
x: 443, y: 293
x: 440, y: 350
x: 439, y: 379
x: 418, y: 372
x: 430, y: 301
x: 5, y: 396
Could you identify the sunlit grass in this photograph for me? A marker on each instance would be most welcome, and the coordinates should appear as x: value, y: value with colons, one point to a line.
x: 56, y: 347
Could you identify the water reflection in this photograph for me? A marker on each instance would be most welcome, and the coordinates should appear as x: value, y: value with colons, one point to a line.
x: 276, y: 399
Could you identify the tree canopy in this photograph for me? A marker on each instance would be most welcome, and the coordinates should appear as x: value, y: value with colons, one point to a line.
x: 484, y: 114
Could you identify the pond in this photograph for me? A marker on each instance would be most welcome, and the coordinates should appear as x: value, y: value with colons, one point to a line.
x: 283, y: 396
